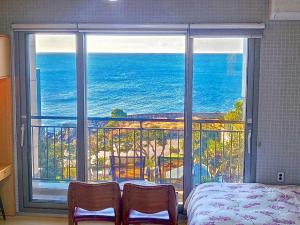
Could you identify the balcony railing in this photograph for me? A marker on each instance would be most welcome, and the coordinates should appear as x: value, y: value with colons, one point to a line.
x: 138, y: 148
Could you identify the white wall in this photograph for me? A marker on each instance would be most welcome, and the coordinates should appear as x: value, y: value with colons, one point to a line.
x: 279, y: 106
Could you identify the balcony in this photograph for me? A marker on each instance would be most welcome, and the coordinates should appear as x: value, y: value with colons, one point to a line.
x: 133, y: 148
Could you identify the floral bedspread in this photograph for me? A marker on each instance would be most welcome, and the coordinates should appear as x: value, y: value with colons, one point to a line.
x: 243, y: 204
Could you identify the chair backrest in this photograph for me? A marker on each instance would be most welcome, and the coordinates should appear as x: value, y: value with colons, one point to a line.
x: 171, y: 170
x: 148, y: 199
x: 94, y: 196
x: 125, y: 168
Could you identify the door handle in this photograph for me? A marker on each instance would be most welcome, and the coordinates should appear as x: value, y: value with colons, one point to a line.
x: 249, y: 141
x: 22, y: 135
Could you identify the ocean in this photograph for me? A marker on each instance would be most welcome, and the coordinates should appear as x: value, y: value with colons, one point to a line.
x: 139, y: 83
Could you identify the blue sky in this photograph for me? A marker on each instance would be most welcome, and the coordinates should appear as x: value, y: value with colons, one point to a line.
x: 137, y: 44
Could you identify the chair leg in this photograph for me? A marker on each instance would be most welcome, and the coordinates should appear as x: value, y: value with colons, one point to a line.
x: 2, y: 209
x: 117, y: 222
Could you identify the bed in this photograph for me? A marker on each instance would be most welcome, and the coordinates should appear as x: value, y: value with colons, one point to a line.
x: 243, y: 204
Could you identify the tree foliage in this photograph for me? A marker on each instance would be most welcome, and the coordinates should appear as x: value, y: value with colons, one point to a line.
x: 220, y: 147
x: 217, y: 146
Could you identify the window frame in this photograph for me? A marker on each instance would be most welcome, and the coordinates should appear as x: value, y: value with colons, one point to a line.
x: 23, y: 166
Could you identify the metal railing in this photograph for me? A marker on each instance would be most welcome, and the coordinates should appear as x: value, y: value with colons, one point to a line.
x: 218, y: 148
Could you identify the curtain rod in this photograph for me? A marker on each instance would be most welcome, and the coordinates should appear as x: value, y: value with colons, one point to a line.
x: 94, y: 26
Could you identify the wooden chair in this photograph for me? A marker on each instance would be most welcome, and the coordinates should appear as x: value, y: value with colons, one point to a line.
x: 124, y: 168
x: 94, y: 202
x: 149, y: 204
x: 2, y: 209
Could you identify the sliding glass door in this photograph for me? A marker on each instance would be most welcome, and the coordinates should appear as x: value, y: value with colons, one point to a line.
x: 219, y: 102
x: 159, y: 108
x: 135, y: 99
x: 49, y: 112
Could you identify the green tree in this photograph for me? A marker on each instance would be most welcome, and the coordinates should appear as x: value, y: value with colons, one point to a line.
x: 57, y: 153
x: 118, y: 113
x: 127, y: 139
x: 222, y: 146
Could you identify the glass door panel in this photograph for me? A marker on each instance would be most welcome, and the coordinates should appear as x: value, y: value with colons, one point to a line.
x: 52, y: 91
x: 135, y: 111
x: 135, y: 108
x: 219, y: 109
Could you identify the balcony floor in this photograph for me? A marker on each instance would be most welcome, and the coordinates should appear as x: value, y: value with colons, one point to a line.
x: 57, y: 191
x: 51, y: 191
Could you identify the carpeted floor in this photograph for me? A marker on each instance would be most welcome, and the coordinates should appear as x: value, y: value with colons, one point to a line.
x: 44, y: 220
x: 34, y: 220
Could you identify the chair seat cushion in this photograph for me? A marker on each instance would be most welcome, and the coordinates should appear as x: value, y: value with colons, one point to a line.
x: 86, y: 215
x: 160, y: 217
